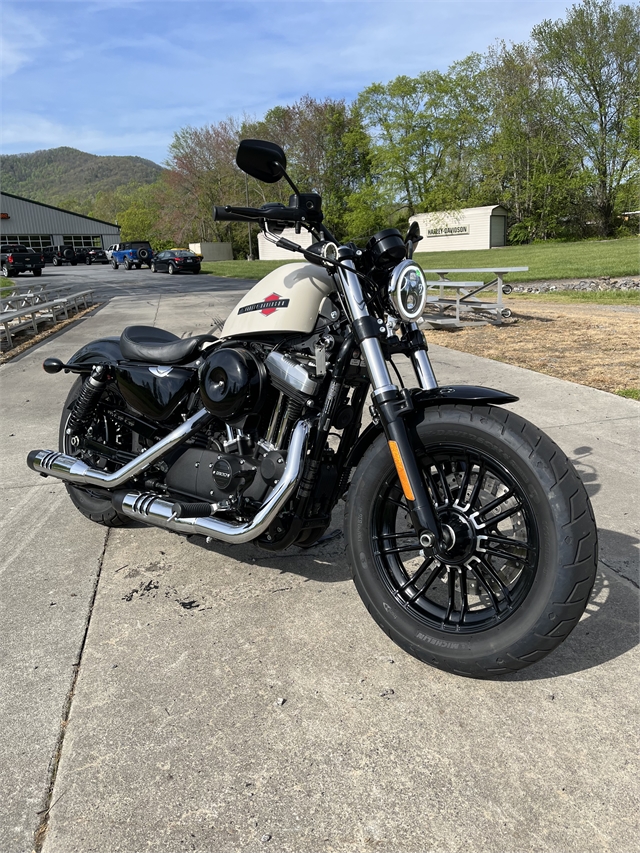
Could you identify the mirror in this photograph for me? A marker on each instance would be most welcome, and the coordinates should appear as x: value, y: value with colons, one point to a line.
x: 265, y: 161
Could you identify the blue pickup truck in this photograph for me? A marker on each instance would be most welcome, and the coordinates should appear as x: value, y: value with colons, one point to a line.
x: 131, y: 255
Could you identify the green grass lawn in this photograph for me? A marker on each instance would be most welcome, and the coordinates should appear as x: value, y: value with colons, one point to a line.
x: 546, y: 261
x: 598, y: 297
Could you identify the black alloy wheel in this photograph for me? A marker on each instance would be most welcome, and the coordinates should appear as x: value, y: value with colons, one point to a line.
x: 488, y: 561
x: 88, y: 261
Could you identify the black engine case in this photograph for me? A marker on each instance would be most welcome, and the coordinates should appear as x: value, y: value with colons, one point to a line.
x: 212, y: 476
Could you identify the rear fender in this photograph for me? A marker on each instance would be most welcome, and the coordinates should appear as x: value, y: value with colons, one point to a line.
x: 101, y: 351
x: 465, y: 395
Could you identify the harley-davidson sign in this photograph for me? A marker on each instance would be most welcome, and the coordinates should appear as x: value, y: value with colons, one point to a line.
x: 448, y: 231
x: 269, y: 306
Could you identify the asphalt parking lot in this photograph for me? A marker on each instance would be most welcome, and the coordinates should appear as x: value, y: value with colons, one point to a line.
x: 108, y: 283
x: 164, y: 694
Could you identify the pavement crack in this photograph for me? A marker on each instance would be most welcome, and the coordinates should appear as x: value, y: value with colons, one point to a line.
x: 43, y: 822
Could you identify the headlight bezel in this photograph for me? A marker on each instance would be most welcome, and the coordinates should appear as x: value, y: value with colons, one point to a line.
x: 398, y: 292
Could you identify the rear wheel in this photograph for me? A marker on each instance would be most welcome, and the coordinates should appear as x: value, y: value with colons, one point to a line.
x: 520, y: 558
x: 127, y: 264
x: 37, y: 272
x: 87, y: 261
x: 100, y: 430
x: 5, y: 270
x: 56, y: 262
x: 172, y: 269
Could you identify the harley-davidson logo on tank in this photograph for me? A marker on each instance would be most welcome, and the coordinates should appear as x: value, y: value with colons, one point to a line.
x: 269, y: 306
x: 286, y: 300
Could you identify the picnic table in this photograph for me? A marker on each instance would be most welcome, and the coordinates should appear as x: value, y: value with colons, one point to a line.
x: 25, y: 309
x: 464, y: 300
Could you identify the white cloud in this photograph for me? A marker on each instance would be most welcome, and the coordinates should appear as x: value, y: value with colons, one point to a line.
x: 20, y: 41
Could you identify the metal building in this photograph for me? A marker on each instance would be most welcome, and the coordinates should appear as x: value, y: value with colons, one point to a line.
x: 37, y: 225
x: 469, y: 228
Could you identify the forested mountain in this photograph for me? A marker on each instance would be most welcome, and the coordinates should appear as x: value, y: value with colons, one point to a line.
x: 69, y: 178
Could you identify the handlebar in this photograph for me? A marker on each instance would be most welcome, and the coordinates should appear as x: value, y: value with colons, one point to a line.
x: 227, y: 213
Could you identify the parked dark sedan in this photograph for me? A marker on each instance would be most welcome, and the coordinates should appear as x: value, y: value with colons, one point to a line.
x: 96, y: 256
x: 176, y: 260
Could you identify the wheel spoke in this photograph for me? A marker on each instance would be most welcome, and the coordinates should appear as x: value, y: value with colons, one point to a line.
x: 493, y: 504
x: 451, y: 594
x: 462, y: 490
x: 437, y: 569
x: 401, y: 549
x: 496, y: 578
x: 464, y: 607
x: 504, y: 555
x: 486, y: 587
x: 504, y: 540
x: 496, y: 519
x: 477, y: 485
x: 403, y: 535
x: 448, y: 497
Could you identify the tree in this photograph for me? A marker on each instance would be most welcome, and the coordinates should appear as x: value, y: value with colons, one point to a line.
x: 327, y: 152
x: 593, y: 56
x: 528, y: 159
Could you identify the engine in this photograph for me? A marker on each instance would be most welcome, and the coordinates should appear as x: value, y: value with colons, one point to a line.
x: 257, y: 400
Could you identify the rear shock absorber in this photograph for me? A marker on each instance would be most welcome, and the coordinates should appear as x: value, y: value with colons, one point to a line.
x: 86, y: 400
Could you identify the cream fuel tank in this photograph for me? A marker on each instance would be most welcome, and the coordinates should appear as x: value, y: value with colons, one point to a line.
x: 289, y: 299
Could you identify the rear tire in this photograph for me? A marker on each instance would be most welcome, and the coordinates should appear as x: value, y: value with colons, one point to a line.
x: 126, y: 264
x: 498, y: 598
x: 92, y: 506
x: 37, y: 272
x: 172, y: 269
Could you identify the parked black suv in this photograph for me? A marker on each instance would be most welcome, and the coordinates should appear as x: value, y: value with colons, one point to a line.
x: 96, y: 256
x: 58, y: 255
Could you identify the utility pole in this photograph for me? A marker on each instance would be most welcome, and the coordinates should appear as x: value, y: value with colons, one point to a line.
x: 246, y: 187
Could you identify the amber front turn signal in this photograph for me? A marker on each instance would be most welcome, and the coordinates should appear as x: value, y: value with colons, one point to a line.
x: 402, y: 471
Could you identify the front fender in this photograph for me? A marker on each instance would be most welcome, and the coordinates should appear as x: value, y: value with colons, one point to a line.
x: 466, y: 395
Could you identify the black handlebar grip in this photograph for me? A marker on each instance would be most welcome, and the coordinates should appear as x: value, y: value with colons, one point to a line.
x: 221, y: 214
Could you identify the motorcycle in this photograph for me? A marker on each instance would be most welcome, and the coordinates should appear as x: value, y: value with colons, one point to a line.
x: 470, y: 535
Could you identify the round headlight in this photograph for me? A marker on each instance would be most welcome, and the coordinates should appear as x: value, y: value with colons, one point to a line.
x: 408, y: 290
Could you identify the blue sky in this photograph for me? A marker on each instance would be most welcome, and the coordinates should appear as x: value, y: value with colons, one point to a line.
x: 120, y: 76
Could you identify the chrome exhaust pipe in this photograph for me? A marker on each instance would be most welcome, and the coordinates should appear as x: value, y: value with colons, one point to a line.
x: 50, y: 463
x: 150, y: 509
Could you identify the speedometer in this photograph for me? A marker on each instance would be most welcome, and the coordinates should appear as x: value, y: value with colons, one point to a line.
x: 408, y: 290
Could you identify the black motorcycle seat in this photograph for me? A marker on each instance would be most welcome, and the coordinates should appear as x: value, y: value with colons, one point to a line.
x: 157, y: 346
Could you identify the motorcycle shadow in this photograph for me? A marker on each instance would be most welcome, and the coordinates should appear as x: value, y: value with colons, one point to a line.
x: 610, y: 625
x: 325, y: 561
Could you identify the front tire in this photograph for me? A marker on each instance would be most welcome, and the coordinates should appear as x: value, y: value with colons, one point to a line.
x: 91, y: 505
x: 521, y: 554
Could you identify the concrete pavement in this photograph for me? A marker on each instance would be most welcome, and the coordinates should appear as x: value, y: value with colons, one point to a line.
x: 163, y: 694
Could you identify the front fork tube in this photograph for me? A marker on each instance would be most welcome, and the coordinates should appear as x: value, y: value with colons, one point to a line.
x: 415, y: 491
x: 390, y: 404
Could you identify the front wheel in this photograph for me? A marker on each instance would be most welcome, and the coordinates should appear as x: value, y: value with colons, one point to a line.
x: 519, y: 554
x: 153, y: 268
